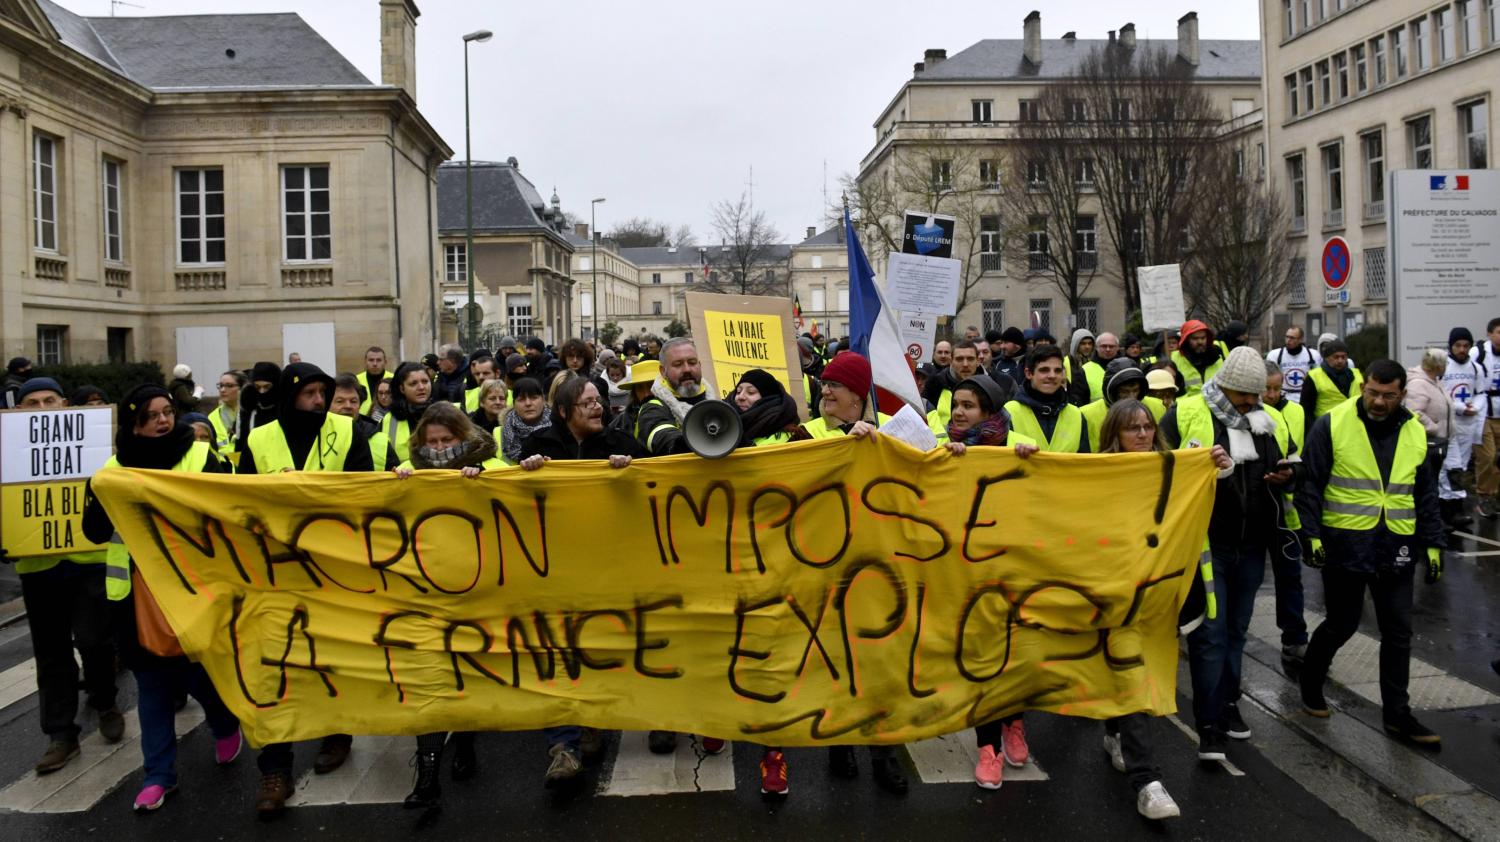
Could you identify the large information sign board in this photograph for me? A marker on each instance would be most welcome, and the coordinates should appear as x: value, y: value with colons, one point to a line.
x: 46, y: 457
x: 1445, y: 256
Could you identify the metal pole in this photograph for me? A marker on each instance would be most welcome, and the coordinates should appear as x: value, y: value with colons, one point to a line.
x: 594, y: 233
x: 472, y: 312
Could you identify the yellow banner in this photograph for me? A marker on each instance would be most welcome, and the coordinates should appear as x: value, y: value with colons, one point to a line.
x: 841, y: 590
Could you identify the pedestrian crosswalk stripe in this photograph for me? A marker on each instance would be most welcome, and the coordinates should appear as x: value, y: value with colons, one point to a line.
x: 950, y: 759
x: 1193, y: 738
x: 17, y: 683
x: 96, y: 772
x: 636, y: 771
x: 378, y: 771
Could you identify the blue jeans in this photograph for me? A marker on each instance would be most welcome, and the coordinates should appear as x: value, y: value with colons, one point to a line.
x: 566, y: 735
x: 156, y: 709
x: 1286, y: 568
x: 1216, y: 647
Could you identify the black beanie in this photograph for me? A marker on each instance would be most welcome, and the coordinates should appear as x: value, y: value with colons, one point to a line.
x: 1013, y: 335
x: 268, y: 372
x: 763, y: 382
x: 137, y: 398
x: 1460, y: 333
x: 536, y: 344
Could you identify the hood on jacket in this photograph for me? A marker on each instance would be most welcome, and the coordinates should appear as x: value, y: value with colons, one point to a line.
x: 986, y: 385
x: 293, y: 378
x: 1121, y: 375
x: 1192, y: 326
x: 1078, y: 336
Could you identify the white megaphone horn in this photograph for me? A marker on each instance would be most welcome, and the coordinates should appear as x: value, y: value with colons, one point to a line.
x: 712, y: 428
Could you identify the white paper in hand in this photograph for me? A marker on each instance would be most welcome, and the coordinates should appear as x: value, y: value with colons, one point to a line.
x: 909, y: 426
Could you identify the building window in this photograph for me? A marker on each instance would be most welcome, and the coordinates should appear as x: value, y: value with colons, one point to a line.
x: 1377, y: 57
x: 1341, y: 71
x: 1375, y: 273
x: 1288, y: 20
x: 1333, y: 185
x: 1121, y: 110
x: 1398, y: 51
x: 1468, y: 16
x: 942, y: 175
x: 989, y: 243
x: 1474, y: 122
x: 1308, y: 103
x: 1372, y: 146
x: 307, y: 220
x: 1445, y: 34
x: 117, y: 344
x: 1083, y: 173
x: 1296, y: 174
x: 51, y: 344
x: 1037, y: 257
x: 687, y: 277
x: 1492, y: 11
x: 1421, y: 42
x: 981, y: 109
x: 518, y: 313
x: 1085, y: 243
x: 843, y: 299
x: 656, y: 308
x: 1030, y: 111
x: 1291, y: 97
x: 1296, y: 293
x: 456, y: 263
x: 200, y: 216
x: 1075, y: 111
x: 44, y: 191
x: 992, y: 315
x: 989, y: 174
x: 584, y: 264
x: 1361, y: 70
x: 1088, y: 314
x: 1036, y: 175
x: 1322, y: 10
x: 1307, y: 14
x: 817, y: 261
x: 1135, y: 239
x: 1419, y: 142
x: 819, y: 299
x: 1239, y: 163
x: 114, y: 242
x: 655, y: 277
x: 1325, y: 83
x: 1041, y: 311
x: 585, y: 304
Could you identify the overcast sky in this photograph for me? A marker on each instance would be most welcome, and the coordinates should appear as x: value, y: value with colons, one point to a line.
x: 664, y: 107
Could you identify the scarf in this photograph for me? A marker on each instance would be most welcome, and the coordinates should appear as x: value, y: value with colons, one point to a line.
x: 663, y: 392
x: 771, y: 415
x: 1242, y: 428
x: 515, y: 430
x: 1342, y: 379
x: 990, y: 432
x: 471, y: 452
x: 160, y: 453
x: 231, y: 420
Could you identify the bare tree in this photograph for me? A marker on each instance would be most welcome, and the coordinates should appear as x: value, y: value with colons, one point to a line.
x: 1239, y: 253
x: 683, y: 237
x: 640, y: 231
x: 750, y: 258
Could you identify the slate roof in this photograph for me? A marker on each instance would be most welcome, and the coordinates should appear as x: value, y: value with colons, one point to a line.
x: 188, y: 52
x: 688, y: 255
x: 1003, y: 59
x: 504, y: 200
x: 832, y: 237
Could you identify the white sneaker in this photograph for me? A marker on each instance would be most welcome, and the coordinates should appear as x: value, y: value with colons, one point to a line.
x: 1153, y: 802
x: 1116, y: 754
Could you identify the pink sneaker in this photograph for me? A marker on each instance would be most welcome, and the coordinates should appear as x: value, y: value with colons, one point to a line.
x: 1014, y: 738
x: 989, y: 770
x: 226, y: 749
x: 152, y: 797
x: 714, y: 745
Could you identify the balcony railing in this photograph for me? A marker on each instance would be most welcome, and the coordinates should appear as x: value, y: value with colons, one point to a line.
x: 1299, y: 225
x: 117, y: 277
x: 1037, y: 262
x: 199, y: 281
x: 307, y: 276
x: 1333, y: 218
x: 989, y: 262
x: 1088, y: 260
x: 1375, y: 210
x: 51, y: 268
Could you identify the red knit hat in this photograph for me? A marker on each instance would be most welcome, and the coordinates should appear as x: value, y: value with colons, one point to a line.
x: 1192, y: 326
x: 849, y: 370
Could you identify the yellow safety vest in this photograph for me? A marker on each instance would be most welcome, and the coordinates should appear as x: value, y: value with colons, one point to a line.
x: 1093, y: 413
x: 117, y: 555
x: 944, y: 408
x: 819, y: 429
x: 1329, y: 396
x: 1296, y: 422
x: 223, y: 439
x: 774, y: 438
x: 471, y: 399
x: 1158, y: 409
x: 938, y: 427
x: 379, y: 444
x: 1094, y: 374
x: 1191, y: 378
x: 1284, y: 435
x: 1067, y: 434
x: 399, y: 433
x: 328, y: 451
x: 1195, y: 428
x: 369, y: 401
x: 1356, y: 498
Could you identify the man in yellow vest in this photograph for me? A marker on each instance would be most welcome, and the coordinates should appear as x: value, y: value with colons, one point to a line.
x: 1331, y: 382
x: 1197, y: 358
x: 372, y: 375
x: 348, y: 396
x: 1040, y: 410
x: 482, y: 369
x: 1248, y: 514
x: 304, y: 437
x: 1286, y: 553
x: 1085, y: 375
x: 1369, y: 507
x: 65, y: 607
x: 964, y: 364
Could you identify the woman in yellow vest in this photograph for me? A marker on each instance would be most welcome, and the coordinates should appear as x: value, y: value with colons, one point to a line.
x: 149, y: 436
x: 410, y: 396
x: 1040, y: 410
x: 768, y: 415
x: 225, y: 418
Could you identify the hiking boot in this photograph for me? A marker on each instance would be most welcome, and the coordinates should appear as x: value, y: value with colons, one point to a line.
x: 426, y: 792
x: 275, y: 789
x: 1013, y: 743
x: 111, y: 725
x: 590, y: 744
x: 989, y: 772
x: 1115, y: 751
x: 1153, y: 802
x: 1211, y: 744
x: 773, y: 781
x: 1234, y: 724
x: 57, y: 755
x: 888, y: 773
x: 1409, y: 729
x: 841, y: 763
x: 662, y: 742
x: 1313, y: 703
x: 332, y: 752
x: 564, y: 768
x: 713, y: 745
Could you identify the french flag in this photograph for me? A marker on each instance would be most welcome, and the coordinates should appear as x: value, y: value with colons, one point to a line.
x: 873, y: 333
x: 1443, y: 182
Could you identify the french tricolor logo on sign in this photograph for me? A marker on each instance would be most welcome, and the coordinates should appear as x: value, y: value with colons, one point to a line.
x: 1444, y: 182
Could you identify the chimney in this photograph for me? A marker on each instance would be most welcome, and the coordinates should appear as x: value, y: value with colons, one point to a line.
x: 398, y: 45
x: 1070, y: 36
x: 812, y: 231
x: 933, y: 58
x: 1127, y: 36
x: 1187, y: 38
x: 581, y: 229
x: 1111, y: 37
x: 918, y: 67
x: 1033, y: 51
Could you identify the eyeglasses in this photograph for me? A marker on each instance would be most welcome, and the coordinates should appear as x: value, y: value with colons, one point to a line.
x: 153, y: 417
x: 1141, y: 430
x: 229, y: 385
x: 590, y: 403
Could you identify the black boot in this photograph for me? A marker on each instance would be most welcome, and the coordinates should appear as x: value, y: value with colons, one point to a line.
x: 427, y: 792
x: 465, y: 764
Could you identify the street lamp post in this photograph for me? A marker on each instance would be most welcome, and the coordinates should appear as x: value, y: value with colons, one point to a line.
x: 472, y: 311
x: 594, y: 264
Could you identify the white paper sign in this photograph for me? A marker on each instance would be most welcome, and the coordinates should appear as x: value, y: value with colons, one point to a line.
x: 918, y: 330
x: 1162, y: 307
x: 909, y: 426
x: 918, y: 284
x: 1445, y: 256
x: 45, y: 445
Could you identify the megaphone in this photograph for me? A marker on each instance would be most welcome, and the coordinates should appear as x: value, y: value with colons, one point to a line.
x: 712, y: 428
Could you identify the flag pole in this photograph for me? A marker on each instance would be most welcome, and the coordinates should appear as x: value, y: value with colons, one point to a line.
x: 874, y: 401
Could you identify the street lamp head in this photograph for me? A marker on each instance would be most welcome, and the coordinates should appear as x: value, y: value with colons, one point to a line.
x: 479, y: 35
x: 597, y: 201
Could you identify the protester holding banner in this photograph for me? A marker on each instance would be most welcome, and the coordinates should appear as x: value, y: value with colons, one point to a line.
x: 149, y: 436
x: 65, y: 607
x: 258, y: 405
x: 1247, y: 515
x: 527, y: 414
x: 1041, y: 411
x: 680, y: 388
x: 768, y: 415
x: 843, y: 409
x: 411, y: 395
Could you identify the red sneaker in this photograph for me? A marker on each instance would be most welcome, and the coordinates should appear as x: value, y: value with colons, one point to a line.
x: 1014, y: 740
x: 773, y: 774
x: 713, y: 745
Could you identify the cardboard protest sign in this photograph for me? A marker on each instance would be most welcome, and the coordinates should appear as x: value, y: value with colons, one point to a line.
x: 46, y: 457
x: 832, y: 591
x: 738, y: 333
